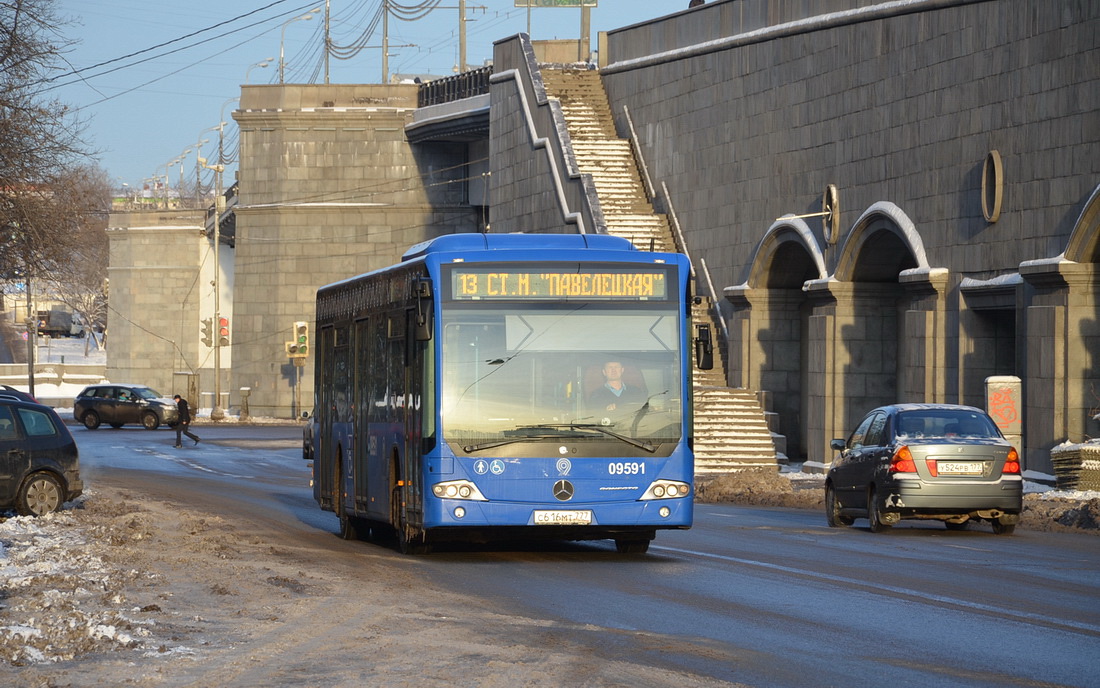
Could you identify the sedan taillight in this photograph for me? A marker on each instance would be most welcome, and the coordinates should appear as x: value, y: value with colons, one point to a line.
x: 1012, y: 462
x: 902, y: 461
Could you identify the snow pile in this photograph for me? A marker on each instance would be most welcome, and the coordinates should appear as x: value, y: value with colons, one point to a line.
x: 1045, y: 508
x: 62, y: 578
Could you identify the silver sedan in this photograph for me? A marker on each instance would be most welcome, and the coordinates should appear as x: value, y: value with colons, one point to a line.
x: 925, y: 461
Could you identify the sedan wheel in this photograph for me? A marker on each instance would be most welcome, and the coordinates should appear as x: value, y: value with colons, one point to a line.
x: 91, y: 420
x: 832, y: 510
x: 40, y: 495
x: 874, y: 513
x: 150, y: 421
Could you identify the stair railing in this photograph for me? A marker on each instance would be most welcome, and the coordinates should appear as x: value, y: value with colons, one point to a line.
x: 714, y: 303
x: 677, y: 233
x: 650, y: 191
x: 674, y: 224
x: 716, y: 311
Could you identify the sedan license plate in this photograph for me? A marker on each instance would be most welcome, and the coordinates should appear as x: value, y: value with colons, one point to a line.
x: 959, y: 468
x: 563, y: 518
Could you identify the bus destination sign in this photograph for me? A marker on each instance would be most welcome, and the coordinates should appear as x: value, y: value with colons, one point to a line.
x: 640, y: 285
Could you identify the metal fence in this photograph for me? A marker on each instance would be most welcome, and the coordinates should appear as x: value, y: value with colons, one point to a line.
x: 457, y: 87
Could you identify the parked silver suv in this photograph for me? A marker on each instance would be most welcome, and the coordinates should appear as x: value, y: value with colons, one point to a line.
x: 117, y: 405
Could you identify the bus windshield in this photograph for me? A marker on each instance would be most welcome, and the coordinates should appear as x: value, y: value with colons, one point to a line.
x: 531, y: 371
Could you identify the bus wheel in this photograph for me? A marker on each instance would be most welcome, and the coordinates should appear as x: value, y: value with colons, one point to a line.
x: 351, y: 528
x: 349, y: 525
x: 628, y: 546
x: 413, y: 544
x: 409, y: 540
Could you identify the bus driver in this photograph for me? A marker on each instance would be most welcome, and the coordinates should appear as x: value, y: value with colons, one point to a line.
x: 615, y: 394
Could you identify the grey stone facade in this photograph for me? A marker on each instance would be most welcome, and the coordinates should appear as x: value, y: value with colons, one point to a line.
x: 329, y: 188
x: 748, y: 109
x: 158, y: 288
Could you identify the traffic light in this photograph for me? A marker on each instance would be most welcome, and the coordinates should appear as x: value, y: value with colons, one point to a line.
x: 208, y: 331
x: 298, y: 347
x: 223, y: 331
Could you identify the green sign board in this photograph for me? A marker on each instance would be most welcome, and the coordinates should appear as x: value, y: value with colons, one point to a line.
x: 556, y: 3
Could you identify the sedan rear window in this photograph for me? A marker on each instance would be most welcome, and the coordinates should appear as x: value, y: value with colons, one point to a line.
x: 967, y: 424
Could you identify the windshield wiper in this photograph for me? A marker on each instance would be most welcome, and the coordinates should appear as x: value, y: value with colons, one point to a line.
x: 528, y: 435
x: 647, y: 446
x: 522, y: 434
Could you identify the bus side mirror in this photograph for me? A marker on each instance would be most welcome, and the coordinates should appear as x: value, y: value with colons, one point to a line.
x: 423, y: 329
x: 424, y: 326
x: 704, y: 350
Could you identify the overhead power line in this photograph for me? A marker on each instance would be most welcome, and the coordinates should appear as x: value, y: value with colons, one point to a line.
x: 80, y: 73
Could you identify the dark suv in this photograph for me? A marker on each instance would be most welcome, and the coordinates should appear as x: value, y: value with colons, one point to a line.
x: 117, y: 405
x: 39, y: 462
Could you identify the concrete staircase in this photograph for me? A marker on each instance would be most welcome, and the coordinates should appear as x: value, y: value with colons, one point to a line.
x: 731, y: 428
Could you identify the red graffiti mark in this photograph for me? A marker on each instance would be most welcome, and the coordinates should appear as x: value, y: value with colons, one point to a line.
x: 1002, y: 407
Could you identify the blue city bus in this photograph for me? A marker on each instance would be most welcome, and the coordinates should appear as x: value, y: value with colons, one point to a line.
x: 456, y: 393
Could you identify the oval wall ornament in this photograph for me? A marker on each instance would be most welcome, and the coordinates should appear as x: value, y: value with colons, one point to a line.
x: 830, y: 213
x: 992, y: 186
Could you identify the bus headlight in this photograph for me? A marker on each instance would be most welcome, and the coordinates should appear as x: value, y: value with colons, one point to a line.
x: 458, y: 489
x: 666, y: 489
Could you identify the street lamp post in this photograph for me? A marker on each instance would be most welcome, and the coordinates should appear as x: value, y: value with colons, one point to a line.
x: 183, y: 156
x: 261, y: 64
x: 216, y: 412
x: 198, y: 170
x: 157, y: 181
x: 219, y: 205
x: 282, y: 38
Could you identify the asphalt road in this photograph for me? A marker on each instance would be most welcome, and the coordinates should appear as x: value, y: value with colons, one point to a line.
x: 751, y: 595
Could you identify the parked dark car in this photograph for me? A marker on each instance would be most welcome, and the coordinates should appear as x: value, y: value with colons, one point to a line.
x: 925, y: 461
x: 9, y: 392
x: 39, y: 461
x: 117, y: 405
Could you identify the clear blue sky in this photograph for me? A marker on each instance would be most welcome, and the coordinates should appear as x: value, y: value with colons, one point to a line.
x: 143, y: 111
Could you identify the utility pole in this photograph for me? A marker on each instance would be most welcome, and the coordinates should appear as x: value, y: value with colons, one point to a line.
x: 385, y: 41
x: 328, y: 38
x: 32, y: 333
x: 461, y: 36
x: 216, y: 412
x: 584, y: 48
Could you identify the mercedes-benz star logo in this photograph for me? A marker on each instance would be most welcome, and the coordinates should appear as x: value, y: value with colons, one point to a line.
x: 563, y: 490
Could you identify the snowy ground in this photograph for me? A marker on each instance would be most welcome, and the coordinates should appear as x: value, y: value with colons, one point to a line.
x: 109, y: 575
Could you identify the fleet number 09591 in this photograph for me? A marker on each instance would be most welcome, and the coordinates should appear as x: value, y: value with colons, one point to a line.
x: 626, y: 468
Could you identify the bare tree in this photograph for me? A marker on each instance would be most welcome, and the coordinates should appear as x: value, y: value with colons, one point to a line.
x: 79, y: 278
x: 40, y: 146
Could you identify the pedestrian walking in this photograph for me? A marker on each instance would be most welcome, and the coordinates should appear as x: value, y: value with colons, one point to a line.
x: 183, y: 427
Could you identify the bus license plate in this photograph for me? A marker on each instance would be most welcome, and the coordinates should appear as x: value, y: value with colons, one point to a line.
x: 959, y: 468
x: 563, y: 518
